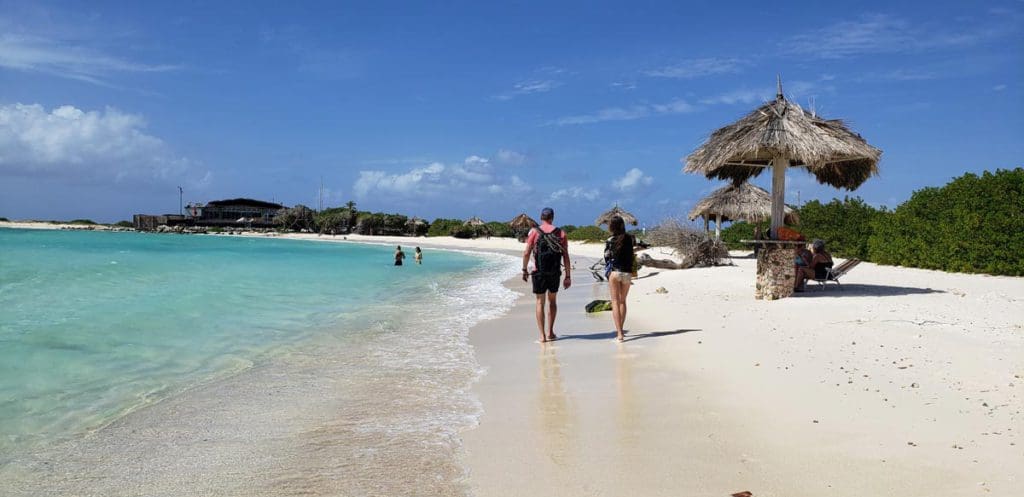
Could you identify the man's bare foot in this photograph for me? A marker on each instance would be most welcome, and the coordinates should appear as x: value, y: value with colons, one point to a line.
x: 552, y: 337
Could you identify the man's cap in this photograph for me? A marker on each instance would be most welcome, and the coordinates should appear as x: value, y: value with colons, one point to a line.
x: 547, y: 213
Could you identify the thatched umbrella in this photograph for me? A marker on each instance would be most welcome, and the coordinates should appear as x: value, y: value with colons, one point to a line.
x: 413, y: 223
x: 780, y: 135
x: 521, y: 225
x: 475, y: 221
x: 743, y: 202
x: 522, y: 222
x: 615, y: 211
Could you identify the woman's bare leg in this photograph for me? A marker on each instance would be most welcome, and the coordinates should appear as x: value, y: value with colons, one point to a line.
x: 613, y: 288
x: 624, y: 287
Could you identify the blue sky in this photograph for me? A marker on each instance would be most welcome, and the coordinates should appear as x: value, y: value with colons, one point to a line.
x: 469, y: 109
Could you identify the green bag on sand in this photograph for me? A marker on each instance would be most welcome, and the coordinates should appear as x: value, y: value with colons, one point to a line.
x: 599, y: 305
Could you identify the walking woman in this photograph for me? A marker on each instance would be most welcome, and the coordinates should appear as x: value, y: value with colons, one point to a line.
x: 618, y: 255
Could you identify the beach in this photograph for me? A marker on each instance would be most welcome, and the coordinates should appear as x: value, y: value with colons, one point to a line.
x: 901, y: 382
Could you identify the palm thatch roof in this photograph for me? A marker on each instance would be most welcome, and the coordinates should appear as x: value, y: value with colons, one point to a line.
x: 826, y: 147
x: 415, y: 221
x: 475, y: 221
x: 522, y: 221
x: 743, y: 202
x: 615, y: 211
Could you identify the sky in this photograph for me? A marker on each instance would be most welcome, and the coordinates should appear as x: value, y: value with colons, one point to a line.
x: 459, y: 109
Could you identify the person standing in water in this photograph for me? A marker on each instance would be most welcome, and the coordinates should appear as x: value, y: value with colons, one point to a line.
x: 418, y: 256
x: 399, y: 256
x: 618, y: 253
x: 550, y: 250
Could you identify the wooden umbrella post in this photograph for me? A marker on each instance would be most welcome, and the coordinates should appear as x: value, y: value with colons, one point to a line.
x: 779, y: 165
x: 718, y: 226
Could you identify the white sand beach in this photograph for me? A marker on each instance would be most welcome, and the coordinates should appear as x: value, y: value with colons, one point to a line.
x: 901, y: 382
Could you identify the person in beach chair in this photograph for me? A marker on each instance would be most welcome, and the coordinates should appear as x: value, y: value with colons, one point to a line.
x: 549, y: 249
x: 819, y: 265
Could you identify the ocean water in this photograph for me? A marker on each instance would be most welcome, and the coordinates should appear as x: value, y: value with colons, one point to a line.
x: 100, y: 330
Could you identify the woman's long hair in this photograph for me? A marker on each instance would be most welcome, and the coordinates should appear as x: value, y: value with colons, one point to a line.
x: 618, y: 228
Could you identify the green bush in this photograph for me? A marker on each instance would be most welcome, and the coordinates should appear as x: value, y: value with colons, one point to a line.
x: 496, y: 228
x: 732, y: 234
x: 379, y: 223
x: 81, y: 221
x: 4, y: 219
x: 443, y: 227
x: 588, y: 234
x: 124, y: 224
x: 973, y: 224
x: 845, y: 225
x: 463, y: 231
x: 569, y: 228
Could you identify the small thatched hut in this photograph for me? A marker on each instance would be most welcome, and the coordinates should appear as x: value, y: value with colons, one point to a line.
x: 780, y: 135
x: 521, y: 225
x: 414, y: 224
x: 475, y: 221
x: 743, y: 202
x: 615, y: 211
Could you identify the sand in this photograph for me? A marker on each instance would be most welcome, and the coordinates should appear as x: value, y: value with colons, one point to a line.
x: 903, y: 382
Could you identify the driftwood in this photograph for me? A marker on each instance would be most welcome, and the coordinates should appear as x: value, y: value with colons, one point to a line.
x: 647, y: 261
x: 694, y: 247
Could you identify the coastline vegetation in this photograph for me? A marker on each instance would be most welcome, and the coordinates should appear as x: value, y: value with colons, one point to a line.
x: 974, y: 224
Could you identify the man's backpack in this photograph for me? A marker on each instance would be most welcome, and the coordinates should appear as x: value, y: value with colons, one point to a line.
x: 547, y: 252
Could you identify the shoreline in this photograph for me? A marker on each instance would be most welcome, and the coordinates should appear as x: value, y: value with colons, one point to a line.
x: 905, y: 381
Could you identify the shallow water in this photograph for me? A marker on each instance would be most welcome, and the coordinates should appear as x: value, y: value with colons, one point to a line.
x: 364, y: 359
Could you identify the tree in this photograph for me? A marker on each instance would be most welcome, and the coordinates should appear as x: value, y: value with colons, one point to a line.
x: 973, y: 224
x: 296, y: 218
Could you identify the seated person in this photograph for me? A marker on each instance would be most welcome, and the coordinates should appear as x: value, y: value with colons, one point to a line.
x: 821, y: 261
x: 817, y: 265
x: 803, y: 266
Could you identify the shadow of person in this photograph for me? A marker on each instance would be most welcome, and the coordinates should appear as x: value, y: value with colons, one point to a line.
x: 861, y: 290
x: 655, y: 334
x: 608, y: 335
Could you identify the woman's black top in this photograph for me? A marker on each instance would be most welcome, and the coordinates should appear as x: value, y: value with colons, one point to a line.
x: 621, y: 259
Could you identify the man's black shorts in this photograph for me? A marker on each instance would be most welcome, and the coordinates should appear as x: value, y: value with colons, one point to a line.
x: 545, y: 282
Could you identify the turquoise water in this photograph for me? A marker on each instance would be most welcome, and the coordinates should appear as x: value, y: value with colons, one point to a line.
x: 96, y: 324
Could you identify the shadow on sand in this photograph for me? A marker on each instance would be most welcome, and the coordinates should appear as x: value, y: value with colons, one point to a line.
x: 609, y: 335
x: 813, y: 290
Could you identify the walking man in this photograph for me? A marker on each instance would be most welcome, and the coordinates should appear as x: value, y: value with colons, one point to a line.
x: 550, y: 250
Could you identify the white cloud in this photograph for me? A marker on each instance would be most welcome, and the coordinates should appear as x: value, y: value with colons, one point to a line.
x: 67, y: 141
x: 998, y: 87
x: 741, y: 96
x: 633, y: 179
x: 425, y: 180
x: 468, y: 180
x: 574, y: 193
x: 67, y: 59
x: 697, y: 68
x: 528, y: 87
x: 880, y: 33
x: 510, y: 157
x: 640, y: 111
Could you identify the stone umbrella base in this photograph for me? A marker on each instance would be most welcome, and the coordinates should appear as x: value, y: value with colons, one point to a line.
x: 775, y: 270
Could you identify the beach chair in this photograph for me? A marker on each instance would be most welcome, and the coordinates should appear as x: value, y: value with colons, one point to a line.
x: 834, y: 273
x: 597, y: 270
